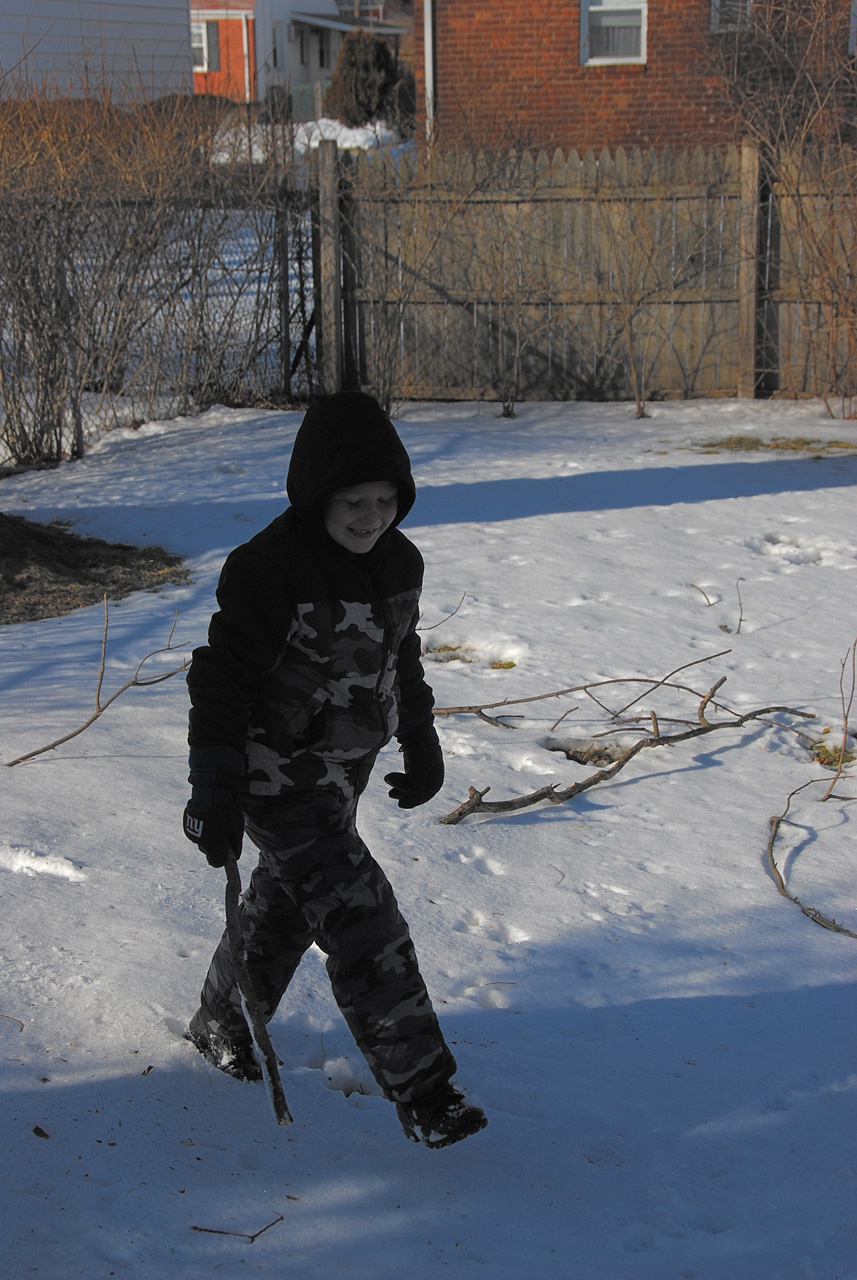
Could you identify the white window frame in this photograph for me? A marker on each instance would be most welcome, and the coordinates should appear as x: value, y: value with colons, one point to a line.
x: 198, y: 40
x: 601, y: 7
x: 729, y: 15
x: 199, y: 32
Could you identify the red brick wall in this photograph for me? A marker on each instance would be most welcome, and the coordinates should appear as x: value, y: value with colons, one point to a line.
x: 230, y: 80
x: 509, y: 70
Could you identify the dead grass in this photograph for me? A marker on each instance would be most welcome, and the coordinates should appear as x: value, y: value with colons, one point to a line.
x: 832, y: 757
x: 46, y: 570
x: 786, y: 444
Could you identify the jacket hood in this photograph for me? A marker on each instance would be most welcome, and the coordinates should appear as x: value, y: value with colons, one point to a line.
x: 346, y: 439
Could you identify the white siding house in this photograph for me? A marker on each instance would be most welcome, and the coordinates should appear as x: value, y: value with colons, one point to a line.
x: 297, y: 43
x: 70, y: 47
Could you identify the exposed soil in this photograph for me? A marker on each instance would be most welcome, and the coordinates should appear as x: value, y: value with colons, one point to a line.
x: 46, y: 570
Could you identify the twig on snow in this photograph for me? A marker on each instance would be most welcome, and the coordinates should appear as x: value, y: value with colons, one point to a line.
x: 847, y: 701
x: 705, y: 597
x: 245, y: 1235
x: 137, y: 681
x: 476, y: 803
x: 448, y: 616
x: 724, y: 626
x: 811, y: 912
x: 651, y: 684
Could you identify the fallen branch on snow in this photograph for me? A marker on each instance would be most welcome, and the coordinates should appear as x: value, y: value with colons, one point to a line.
x: 137, y: 681
x: 846, y: 694
x: 479, y: 709
x: 476, y: 802
x: 811, y: 912
x: 252, y: 1236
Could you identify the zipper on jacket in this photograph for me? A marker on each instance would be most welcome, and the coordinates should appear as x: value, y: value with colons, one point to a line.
x: 384, y: 613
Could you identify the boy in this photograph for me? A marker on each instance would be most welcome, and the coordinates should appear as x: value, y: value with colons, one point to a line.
x: 312, y: 665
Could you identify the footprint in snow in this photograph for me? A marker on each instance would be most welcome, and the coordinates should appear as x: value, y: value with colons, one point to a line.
x: 474, y: 921
x: 480, y: 859
x: 349, y: 1077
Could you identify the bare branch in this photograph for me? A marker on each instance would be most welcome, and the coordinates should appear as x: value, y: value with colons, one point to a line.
x: 657, y: 684
x: 811, y: 912
x: 476, y: 804
x: 650, y: 682
x: 740, y: 606
x: 245, y: 1235
x: 847, y: 701
x: 448, y: 616
x: 707, y: 699
x: 702, y: 593
x: 137, y: 681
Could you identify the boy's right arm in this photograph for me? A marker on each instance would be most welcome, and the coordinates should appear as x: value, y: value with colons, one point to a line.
x: 245, y: 640
x: 246, y: 637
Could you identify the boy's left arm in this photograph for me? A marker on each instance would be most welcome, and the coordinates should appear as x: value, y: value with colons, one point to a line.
x: 417, y: 737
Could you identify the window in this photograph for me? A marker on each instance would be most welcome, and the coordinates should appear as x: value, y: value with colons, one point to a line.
x: 197, y: 45
x: 612, y: 31
x: 205, y: 46
x: 277, y: 45
x: 324, y: 48
x: 729, y: 15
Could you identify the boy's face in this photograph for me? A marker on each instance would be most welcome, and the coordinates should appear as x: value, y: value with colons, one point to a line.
x: 357, y: 515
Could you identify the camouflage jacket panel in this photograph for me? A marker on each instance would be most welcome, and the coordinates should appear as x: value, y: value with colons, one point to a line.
x: 313, y: 659
x: 333, y: 697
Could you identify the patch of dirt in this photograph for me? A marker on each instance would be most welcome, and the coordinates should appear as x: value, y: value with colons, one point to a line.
x: 46, y: 570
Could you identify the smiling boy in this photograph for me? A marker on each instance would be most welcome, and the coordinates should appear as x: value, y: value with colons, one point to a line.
x: 312, y: 665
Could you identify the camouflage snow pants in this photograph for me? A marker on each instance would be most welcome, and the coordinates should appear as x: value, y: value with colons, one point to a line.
x: 317, y: 882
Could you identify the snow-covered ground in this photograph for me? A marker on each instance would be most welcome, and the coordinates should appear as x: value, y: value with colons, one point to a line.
x: 237, y: 141
x: 663, y: 1043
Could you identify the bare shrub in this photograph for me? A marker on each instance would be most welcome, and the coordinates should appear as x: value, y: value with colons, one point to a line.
x: 139, y: 275
x: 790, y: 81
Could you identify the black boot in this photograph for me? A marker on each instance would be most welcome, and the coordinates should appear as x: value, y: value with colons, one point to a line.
x: 440, y: 1118
x: 232, y: 1054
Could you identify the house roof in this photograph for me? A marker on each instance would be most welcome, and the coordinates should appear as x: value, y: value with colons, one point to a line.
x: 369, y: 25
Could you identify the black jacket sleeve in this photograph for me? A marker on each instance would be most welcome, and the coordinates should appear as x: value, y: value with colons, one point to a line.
x: 415, y: 696
x: 246, y: 638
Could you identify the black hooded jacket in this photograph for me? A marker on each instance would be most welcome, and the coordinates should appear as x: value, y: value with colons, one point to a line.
x: 313, y: 660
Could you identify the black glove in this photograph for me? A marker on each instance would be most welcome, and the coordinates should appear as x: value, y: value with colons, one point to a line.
x: 213, y: 818
x: 423, y: 776
x: 218, y: 831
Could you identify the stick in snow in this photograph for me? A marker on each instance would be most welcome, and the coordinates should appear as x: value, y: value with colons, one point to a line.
x: 255, y: 1021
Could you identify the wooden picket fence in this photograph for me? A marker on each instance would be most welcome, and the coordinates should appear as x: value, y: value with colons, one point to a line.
x: 621, y: 276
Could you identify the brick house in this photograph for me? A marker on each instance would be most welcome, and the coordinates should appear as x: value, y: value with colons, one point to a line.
x: 577, y: 73
x: 246, y: 49
x: 223, y: 44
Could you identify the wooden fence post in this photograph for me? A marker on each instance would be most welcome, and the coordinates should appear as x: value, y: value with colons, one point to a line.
x: 748, y: 270
x: 328, y: 288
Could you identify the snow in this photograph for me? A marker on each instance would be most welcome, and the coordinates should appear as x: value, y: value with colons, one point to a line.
x: 662, y: 1042
x: 238, y: 140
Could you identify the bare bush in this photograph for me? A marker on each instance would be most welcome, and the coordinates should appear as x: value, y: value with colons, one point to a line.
x: 139, y: 276
x: 790, y: 80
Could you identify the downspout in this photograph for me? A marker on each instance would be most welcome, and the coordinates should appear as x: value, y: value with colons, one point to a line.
x: 246, y: 33
x: 428, y: 46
